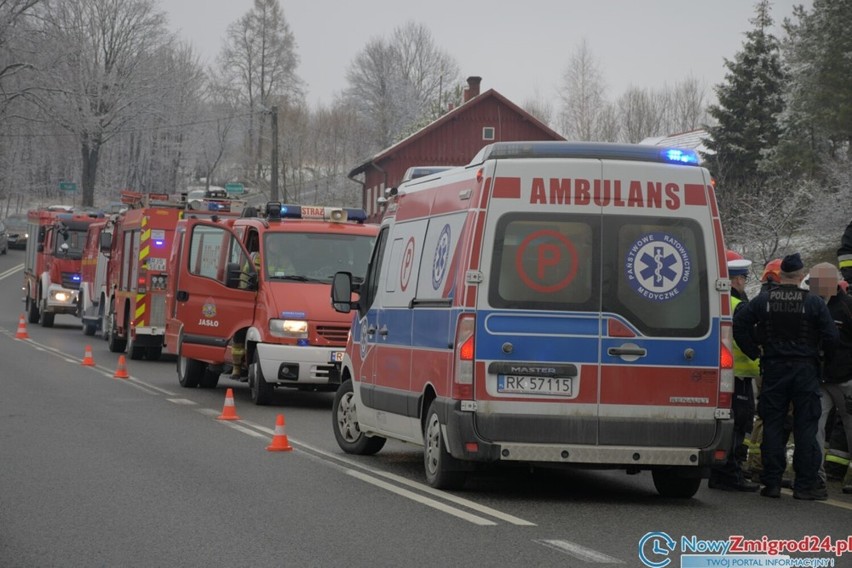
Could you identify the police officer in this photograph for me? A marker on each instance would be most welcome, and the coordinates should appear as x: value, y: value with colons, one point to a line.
x: 793, y: 326
x: 729, y: 476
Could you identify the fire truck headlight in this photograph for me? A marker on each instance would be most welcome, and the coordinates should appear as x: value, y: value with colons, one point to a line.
x: 288, y: 328
x: 61, y: 297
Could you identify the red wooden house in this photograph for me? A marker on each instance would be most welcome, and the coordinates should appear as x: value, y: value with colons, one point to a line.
x: 451, y: 140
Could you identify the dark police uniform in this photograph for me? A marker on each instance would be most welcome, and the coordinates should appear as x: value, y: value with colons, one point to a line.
x: 793, y: 326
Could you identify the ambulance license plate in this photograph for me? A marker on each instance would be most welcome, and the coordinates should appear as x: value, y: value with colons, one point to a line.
x: 524, y: 384
x: 337, y: 356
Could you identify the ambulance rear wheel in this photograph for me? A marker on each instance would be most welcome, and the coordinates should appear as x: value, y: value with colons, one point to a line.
x: 347, y: 431
x: 442, y: 470
x: 672, y: 483
x: 190, y: 372
x: 261, y: 391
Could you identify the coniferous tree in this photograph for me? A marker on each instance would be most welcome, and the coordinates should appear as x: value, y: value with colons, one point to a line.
x: 750, y: 100
x: 818, y: 55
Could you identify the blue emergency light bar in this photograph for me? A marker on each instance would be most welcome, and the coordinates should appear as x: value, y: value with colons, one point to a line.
x: 590, y: 150
x: 275, y: 210
x: 76, y: 278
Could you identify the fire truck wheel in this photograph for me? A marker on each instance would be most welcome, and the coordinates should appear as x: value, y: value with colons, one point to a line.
x: 209, y: 379
x: 134, y: 351
x: 33, y: 314
x: 344, y: 422
x: 116, y: 344
x: 189, y: 371
x: 438, y: 462
x: 89, y: 328
x: 47, y: 319
x: 670, y: 482
x: 261, y: 391
x: 154, y: 353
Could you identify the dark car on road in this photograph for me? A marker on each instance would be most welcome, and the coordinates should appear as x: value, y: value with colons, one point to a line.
x: 4, y: 240
x: 16, y: 231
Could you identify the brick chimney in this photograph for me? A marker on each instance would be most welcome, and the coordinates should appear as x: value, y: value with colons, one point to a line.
x: 472, y: 89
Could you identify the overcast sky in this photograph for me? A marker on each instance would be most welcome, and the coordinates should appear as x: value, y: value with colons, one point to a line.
x: 518, y: 48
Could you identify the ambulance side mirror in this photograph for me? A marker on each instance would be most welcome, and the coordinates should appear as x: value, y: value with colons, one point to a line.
x: 341, y: 292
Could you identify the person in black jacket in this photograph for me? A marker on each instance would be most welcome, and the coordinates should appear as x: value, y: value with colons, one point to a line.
x: 792, y: 327
x: 836, y: 380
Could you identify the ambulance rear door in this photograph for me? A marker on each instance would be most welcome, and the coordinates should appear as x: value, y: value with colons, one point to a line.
x: 538, y: 315
x: 660, y: 344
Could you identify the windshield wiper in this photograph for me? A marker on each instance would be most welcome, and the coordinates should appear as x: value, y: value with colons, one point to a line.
x: 294, y: 277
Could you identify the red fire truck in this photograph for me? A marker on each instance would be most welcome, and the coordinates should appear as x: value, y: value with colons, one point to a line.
x: 251, y: 297
x: 52, y: 264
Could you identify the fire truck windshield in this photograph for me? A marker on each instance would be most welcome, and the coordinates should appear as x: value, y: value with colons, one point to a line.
x: 315, y: 257
x: 74, y: 239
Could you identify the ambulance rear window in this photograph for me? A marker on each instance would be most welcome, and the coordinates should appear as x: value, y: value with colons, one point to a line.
x: 650, y: 270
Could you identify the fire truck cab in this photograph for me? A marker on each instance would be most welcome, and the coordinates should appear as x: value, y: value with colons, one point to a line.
x: 251, y: 297
x: 52, y: 264
x: 94, y: 274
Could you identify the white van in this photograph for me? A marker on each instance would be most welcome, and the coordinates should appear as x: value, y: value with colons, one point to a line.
x: 550, y: 302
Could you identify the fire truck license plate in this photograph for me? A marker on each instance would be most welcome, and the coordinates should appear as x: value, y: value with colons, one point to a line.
x: 337, y: 356
x: 524, y: 384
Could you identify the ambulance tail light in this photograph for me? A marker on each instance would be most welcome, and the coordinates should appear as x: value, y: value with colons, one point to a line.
x: 726, y: 367
x: 464, y: 358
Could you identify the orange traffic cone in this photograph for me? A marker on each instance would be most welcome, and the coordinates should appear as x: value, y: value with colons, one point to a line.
x: 229, y: 411
x: 280, y: 443
x: 88, y: 360
x: 121, y: 371
x: 22, y: 329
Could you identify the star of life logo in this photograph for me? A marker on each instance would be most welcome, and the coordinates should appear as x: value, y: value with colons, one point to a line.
x: 658, y: 267
x: 442, y: 253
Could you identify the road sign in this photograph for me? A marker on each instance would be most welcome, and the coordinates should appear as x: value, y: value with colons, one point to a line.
x: 234, y: 188
x: 67, y: 186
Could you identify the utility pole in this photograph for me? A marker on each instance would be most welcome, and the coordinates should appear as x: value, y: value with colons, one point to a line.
x: 273, y: 190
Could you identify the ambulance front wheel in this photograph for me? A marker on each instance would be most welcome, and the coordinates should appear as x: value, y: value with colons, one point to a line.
x: 442, y: 469
x: 674, y: 483
x: 261, y: 391
x: 344, y: 422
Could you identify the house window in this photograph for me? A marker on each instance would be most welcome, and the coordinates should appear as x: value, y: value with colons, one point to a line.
x: 488, y: 133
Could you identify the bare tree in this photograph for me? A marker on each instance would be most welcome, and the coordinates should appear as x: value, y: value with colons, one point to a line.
x: 104, y: 74
x: 540, y: 108
x: 582, y: 96
x: 641, y: 112
x: 399, y: 83
x: 11, y: 64
x: 259, y: 55
x: 689, y: 105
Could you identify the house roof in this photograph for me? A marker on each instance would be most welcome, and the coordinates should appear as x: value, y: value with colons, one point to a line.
x: 693, y: 140
x: 438, y: 123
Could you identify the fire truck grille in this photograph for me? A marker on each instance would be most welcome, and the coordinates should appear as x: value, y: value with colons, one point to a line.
x: 158, y: 310
x: 334, y: 334
x: 71, y: 280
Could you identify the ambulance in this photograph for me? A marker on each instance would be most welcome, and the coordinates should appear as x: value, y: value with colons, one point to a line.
x: 248, y: 298
x: 551, y: 303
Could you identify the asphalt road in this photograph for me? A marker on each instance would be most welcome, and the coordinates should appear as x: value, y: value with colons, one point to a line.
x: 99, y: 471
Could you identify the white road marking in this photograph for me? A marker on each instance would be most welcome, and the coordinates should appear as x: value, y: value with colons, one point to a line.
x: 243, y: 429
x: 511, y: 519
x: 421, y: 499
x: 580, y: 552
x: 183, y: 401
x: 11, y: 271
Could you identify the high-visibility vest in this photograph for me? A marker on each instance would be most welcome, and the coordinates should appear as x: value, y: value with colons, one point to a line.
x: 743, y: 366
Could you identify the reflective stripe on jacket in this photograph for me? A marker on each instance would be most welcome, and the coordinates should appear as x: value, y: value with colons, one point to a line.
x: 743, y: 366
